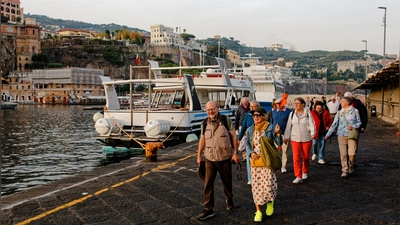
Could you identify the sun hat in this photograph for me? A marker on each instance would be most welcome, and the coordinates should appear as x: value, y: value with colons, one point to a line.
x: 259, y: 110
x: 202, y: 170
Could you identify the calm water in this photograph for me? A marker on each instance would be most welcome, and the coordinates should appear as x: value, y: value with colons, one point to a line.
x: 44, y: 143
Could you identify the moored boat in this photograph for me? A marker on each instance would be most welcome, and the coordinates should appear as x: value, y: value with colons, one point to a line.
x: 176, y: 109
x: 267, y: 84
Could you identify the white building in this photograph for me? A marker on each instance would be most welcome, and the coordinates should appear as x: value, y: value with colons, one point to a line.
x: 284, y: 71
x: 161, y: 35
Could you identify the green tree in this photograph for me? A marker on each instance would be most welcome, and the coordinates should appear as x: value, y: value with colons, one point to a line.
x: 113, y: 55
x: 40, y: 61
x: 186, y: 37
x: 4, y: 19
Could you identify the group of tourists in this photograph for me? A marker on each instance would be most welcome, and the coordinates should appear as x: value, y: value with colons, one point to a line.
x: 305, y: 129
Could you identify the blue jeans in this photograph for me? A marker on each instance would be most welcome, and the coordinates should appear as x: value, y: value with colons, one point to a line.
x: 320, y: 152
x: 248, y: 167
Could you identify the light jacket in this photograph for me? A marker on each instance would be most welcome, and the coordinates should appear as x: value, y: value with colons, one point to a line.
x: 247, y: 122
x: 353, y: 119
x: 326, y: 117
x: 300, y: 129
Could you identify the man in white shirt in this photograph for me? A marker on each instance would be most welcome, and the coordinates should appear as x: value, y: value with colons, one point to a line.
x: 333, y: 107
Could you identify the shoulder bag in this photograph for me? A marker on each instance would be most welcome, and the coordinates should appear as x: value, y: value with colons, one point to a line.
x: 353, y: 133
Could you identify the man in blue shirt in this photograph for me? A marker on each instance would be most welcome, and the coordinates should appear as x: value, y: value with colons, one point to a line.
x: 280, y: 116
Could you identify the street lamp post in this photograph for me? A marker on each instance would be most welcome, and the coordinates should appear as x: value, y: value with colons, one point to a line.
x: 366, y: 58
x: 384, y: 32
x: 366, y: 72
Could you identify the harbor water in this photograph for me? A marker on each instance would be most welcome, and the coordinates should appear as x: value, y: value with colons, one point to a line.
x: 43, y: 143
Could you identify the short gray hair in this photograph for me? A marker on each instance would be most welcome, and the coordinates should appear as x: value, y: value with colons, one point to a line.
x: 255, y: 101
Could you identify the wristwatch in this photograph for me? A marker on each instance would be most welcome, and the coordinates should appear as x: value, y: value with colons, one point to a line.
x: 237, y: 152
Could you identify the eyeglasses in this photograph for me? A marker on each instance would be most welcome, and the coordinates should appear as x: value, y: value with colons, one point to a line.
x: 253, y: 106
x: 256, y: 115
x: 212, y: 109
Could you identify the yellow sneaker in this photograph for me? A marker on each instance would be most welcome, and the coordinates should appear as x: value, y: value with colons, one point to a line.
x: 270, y: 208
x: 258, y: 216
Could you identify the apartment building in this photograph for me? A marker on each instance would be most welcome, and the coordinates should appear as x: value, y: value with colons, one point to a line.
x: 13, y: 11
x: 56, y: 86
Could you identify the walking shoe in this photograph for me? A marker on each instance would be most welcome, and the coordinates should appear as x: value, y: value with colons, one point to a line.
x: 298, y: 180
x: 270, y: 208
x: 304, y: 176
x: 314, y: 157
x: 283, y: 170
x: 206, y: 214
x: 321, y: 161
x: 249, y: 183
x: 344, y: 174
x: 258, y: 216
x: 229, y: 205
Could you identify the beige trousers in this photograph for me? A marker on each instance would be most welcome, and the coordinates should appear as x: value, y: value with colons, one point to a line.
x: 347, y: 148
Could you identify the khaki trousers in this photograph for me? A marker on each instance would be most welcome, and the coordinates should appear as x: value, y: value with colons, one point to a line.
x: 347, y: 148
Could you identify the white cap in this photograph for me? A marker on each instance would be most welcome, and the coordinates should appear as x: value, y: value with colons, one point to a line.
x: 348, y: 94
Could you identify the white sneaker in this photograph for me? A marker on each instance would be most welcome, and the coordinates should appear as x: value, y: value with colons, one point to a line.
x: 314, y: 157
x: 249, y: 183
x: 304, y: 176
x: 297, y: 180
x: 283, y: 170
x: 321, y: 161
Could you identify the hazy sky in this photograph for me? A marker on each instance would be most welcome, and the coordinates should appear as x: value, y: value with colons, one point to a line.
x: 303, y: 25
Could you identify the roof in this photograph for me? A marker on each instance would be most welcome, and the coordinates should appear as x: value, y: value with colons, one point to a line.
x: 387, y: 75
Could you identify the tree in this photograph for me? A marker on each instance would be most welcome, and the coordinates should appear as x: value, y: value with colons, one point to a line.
x: 4, y: 19
x: 107, y: 34
x: 186, y: 37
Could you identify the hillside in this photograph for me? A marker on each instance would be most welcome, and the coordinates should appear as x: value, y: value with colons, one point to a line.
x: 54, y: 25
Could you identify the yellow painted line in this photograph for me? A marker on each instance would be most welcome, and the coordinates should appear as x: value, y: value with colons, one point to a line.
x: 117, y: 185
x: 74, y: 202
x: 40, y: 216
x: 101, y: 191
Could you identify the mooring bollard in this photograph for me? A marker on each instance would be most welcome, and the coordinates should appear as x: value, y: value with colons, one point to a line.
x: 151, y: 150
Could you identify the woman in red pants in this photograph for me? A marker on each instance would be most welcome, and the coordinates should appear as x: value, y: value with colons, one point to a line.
x: 300, y: 129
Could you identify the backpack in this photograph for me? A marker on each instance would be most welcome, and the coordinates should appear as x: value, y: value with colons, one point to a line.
x: 224, y: 121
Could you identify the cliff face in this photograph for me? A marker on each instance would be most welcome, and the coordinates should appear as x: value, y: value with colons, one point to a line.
x: 8, y: 55
x: 91, y: 55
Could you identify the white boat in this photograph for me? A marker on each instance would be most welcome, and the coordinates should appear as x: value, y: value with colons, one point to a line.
x: 267, y: 84
x: 177, y: 106
x: 5, y: 102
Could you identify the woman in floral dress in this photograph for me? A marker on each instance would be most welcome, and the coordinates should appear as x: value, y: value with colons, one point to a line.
x: 264, y: 184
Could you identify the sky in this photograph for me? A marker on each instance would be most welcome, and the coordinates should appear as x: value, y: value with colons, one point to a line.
x: 301, y: 25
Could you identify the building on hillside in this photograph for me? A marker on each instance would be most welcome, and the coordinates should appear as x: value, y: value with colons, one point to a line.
x: 28, y: 44
x: 57, y: 86
x: 352, y: 64
x: 233, y: 57
x: 275, y: 47
x: 74, y: 33
x: 165, y: 36
x: 13, y: 11
x: 284, y: 72
x: 47, y: 34
x: 290, y: 64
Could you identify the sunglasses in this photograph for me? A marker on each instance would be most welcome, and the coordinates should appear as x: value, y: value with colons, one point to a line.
x: 256, y: 115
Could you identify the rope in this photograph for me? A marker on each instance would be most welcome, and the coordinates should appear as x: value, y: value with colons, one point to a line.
x: 116, y: 124
x: 134, y: 139
x: 175, y: 127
